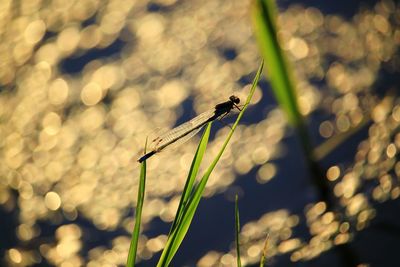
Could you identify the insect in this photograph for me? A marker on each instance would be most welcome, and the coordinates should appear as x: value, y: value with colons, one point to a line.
x: 188, y: 129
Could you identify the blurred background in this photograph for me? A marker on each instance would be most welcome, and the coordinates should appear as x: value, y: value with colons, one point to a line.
x: 82, y: 83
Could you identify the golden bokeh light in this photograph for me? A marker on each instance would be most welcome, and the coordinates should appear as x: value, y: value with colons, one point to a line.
x: 83, y: 83
x: 266, y: 173
x: 15, y: 255
x: 333, y: 173
x: 52, y: 201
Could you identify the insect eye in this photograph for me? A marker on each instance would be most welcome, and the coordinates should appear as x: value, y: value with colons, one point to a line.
x: 234, y: 99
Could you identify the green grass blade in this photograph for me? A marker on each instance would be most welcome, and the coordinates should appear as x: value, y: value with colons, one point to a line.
x: 194, y: 169
x: 264, y: 17
x: 187, y: 191
x: 237, y: 230
x: 182, y: 227
x: 264, y: 14
x: 264, y: 252
x: 136, y: 230
x: 333, y: 142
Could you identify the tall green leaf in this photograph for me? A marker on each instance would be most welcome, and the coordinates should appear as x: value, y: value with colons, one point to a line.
x: 136, y: 230
x: 264, y: 14
x: 264, y: 17
x: 194, y: 169
x: 176, y: 236
x: 264, y: 252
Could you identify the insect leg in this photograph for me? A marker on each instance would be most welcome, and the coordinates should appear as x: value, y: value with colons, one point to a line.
x: 236, y: 106
x: 223, y: 116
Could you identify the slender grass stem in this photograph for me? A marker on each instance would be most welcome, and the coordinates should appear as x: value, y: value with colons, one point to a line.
x: 136, y: 230
x: 264, y: 252
x: 186, y: 214
x: 237, y: 230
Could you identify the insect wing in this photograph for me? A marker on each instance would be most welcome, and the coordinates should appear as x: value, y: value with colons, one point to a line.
x: 182, y: 140
x: 184, y: 131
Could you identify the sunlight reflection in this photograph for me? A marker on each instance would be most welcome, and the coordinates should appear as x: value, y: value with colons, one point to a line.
x: 70, y: 137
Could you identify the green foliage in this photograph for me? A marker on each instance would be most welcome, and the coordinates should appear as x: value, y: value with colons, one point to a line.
x: 237, y: 230
x: 192, y: 194
x: 136, y: 230
x: 184, y: 216
x: 264, y: 17
x: 280, y: 75
x: 264, y: 252
x: 264, y: 14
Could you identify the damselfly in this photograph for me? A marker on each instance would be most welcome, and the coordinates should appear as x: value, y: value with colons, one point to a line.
x: 188, y: 129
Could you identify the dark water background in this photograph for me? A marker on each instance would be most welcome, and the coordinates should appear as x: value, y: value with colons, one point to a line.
x: 291, y: 189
